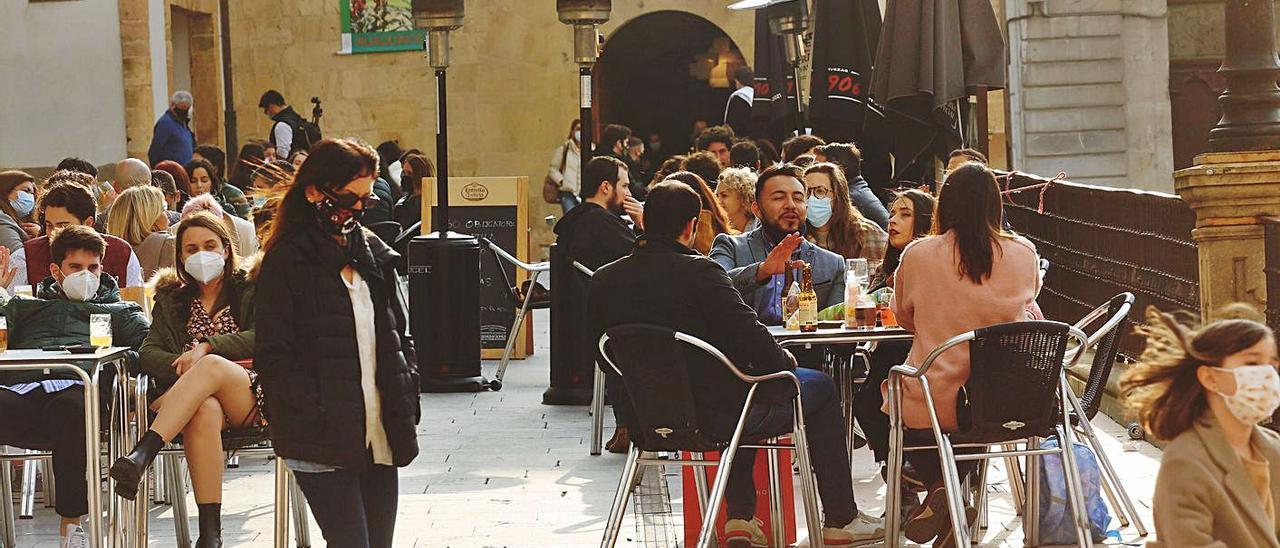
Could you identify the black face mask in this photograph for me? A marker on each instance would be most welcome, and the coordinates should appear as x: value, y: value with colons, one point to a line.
x: 336, y: 217
x: 183, y: 115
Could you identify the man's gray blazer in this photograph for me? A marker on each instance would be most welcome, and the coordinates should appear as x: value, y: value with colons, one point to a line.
x: 741, y: 256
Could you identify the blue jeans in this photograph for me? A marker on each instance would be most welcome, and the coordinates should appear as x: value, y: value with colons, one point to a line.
x: 568, y: 201
x: 354, y: 507
x: 824, y: 425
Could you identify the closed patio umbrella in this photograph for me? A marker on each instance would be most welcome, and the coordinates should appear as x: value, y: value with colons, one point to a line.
x: 845, y: 37
x: 774, y: 107
x: 933, y: 53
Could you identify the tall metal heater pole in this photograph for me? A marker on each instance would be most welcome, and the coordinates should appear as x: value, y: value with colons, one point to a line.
x: 1251, y: 102
x: 444, y: 267
x: 442, y: 151
x: 572, y: 355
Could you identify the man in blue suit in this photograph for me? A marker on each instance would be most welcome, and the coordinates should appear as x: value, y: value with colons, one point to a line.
x: 757, y: 260
x: 173, y: 139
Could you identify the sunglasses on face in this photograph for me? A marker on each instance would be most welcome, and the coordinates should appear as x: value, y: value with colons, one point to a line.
x: 349, y: 201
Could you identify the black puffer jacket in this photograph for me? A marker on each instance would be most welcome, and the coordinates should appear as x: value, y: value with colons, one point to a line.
x: 308, y: 359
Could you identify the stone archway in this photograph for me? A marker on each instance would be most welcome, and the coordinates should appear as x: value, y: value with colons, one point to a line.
x: 661, y: 71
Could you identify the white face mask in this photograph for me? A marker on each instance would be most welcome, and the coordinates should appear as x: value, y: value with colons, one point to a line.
x: 81, y: 286
x: 1257, y: 393
x: 205, y: 266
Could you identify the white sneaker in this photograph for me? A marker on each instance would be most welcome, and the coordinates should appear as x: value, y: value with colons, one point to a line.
x: 74, y: 537
x: 863, y: 530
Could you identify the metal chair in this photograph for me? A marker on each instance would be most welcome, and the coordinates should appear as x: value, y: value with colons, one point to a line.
x: 651, y: 360
x: 171, y: 481
x: 525, y: 297
x: 597, y: 389
x: 1105, y: 343
x: 1017, y: 393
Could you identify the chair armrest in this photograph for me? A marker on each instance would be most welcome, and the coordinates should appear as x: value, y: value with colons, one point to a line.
x: 531, y: 267
x: 583, y: 269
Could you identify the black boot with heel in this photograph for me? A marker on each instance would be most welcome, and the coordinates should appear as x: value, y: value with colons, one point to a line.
x: 129, y: 470
x: 210, y: 525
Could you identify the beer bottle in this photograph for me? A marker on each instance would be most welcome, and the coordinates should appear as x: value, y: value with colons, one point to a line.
x: 808, y: 302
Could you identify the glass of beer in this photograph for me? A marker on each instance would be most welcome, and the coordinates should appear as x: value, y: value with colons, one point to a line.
x: 100, y: 330
x: 4, y: 334
x: 24, y: 290
x: 866, y: 313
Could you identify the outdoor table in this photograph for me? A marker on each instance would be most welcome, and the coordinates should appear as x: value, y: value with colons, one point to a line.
x: 838, y: 336
x: 28, y: 360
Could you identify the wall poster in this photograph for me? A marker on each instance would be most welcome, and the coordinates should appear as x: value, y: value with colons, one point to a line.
x: 370, y: 26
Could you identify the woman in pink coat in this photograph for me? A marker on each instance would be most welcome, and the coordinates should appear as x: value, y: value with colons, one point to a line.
x: 972, y: 274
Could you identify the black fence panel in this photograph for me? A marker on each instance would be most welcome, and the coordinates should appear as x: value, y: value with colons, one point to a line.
x: 1103, y: 241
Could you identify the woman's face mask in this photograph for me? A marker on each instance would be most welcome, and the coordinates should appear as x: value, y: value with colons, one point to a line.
x: 819, y: 211
x: 24, y: 204
x: 338, y: 214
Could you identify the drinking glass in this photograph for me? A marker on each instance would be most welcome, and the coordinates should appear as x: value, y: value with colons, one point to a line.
x: 858, y: 268
x: 100, y: 330
x: 24, y: 290
x: 4, y: 335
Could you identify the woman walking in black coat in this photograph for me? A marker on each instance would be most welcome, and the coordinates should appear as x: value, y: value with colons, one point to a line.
x: 337, y: 369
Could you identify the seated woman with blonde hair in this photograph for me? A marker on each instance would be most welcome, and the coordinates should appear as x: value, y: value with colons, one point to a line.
x: 712, y: 220
x: 138, y: 217
x: 1207, y: 392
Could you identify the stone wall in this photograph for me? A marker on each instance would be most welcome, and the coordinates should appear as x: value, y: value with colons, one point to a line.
x: 1089, y: 91
x: 512, y: 82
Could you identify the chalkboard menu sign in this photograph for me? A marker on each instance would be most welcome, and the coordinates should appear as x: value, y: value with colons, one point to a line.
x: 493, y: 208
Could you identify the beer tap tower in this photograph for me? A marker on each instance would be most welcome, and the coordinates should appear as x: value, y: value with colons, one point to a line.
x: 573, y: 357
x: 444, y: 266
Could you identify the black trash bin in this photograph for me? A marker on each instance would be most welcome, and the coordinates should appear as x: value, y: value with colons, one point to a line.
x: 444, y: 309
x: 572, y: 350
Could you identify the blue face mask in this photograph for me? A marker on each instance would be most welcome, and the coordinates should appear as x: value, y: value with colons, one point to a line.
x: 25, y: 203
x: 819, y: 211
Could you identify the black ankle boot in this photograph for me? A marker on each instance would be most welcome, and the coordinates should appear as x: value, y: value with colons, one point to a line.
x: 210, y: 525
x: 128, y: 470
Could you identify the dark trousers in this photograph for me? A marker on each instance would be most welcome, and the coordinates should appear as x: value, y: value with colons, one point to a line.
x: 867, y: 403
x: 824, y: 425
x: 354, y: 508
x: 39, y: 420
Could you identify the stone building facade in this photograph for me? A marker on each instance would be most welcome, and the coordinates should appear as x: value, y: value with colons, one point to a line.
x: 1091, y: 81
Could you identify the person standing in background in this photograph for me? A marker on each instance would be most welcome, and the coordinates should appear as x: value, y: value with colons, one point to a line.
x: 737, y: 111
x: 284, y: 122
x: 566, y: 167
x: 172, y: 138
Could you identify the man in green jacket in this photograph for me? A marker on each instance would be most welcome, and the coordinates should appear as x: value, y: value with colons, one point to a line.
x: 46, y: 410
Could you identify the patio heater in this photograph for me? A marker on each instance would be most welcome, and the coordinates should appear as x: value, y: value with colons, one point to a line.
x: 572, y: 359
x: 790, y: 20
x: 444, y: 266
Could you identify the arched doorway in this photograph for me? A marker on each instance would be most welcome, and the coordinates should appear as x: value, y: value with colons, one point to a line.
x: 662, y: 71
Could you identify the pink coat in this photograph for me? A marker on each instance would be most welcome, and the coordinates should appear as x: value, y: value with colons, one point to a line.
x: 934, y: 301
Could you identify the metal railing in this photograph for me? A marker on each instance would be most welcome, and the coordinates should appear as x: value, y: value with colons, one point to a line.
x: 1103, y: 241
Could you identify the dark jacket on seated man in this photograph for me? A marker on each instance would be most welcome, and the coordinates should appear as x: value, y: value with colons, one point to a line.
x: 741, y: 255
x: 54, y: 320
x: 665, y: 283
x: 593, y: 235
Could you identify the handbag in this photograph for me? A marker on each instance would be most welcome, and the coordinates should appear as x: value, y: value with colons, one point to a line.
x: 550, y: 188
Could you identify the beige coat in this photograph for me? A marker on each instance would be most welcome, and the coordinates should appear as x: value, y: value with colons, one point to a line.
x: 932, y: 300
x: 1203, y: 494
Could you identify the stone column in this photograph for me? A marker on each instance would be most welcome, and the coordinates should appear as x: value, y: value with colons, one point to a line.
x: 1230, y: 192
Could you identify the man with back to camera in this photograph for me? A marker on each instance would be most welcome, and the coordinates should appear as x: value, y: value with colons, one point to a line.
x: 737, y: 111
x: 745, y: 154
x: 757, y: 260
x: 665, y: 282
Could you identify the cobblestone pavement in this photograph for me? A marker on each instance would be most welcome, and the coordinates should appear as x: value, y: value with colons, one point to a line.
x: 501, y: 469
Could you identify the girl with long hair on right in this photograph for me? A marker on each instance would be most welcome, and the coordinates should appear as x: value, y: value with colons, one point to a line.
x: 1206, y: 392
